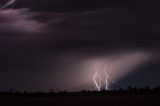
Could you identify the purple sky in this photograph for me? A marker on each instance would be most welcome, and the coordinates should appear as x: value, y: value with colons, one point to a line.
x: 46, y: 48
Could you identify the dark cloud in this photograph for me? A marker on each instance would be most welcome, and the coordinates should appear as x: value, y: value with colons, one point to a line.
x: 58, y: 42
x: 79, y: 5
x: 66, y: 5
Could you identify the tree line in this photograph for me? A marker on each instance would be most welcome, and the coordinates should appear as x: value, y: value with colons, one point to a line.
x: 129, y: 91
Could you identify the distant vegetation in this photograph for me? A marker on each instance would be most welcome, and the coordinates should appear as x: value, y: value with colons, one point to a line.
x: 129, y: 91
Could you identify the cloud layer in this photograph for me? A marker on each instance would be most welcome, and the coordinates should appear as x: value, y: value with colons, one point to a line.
x: 50, y: 47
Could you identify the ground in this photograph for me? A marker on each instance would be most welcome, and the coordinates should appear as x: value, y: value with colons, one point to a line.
x: 121, y: 100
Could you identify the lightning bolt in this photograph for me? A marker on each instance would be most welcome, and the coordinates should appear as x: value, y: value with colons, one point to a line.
x: 98, y: 83
x: 8, y: 4
x: 107, y: 77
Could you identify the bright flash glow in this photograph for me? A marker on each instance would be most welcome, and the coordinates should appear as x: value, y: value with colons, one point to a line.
x: 97, y: 78
x: 8, y: 4
x: 108, y: 78
x: 116, y: 67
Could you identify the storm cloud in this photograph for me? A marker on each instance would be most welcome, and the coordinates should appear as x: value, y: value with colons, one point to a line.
x: 46, y: 46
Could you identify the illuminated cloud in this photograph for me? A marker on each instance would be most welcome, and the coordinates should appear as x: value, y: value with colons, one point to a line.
x: 19, y: 21
x: 10, y: 2
x: 118, y: 65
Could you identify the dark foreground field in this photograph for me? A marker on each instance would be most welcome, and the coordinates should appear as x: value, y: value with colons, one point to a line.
x: 124, y: 100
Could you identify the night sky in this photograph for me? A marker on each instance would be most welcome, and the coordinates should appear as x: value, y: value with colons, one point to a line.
x: 58, y: 44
